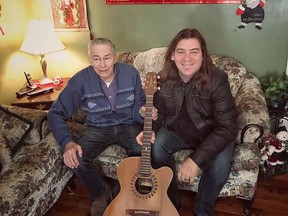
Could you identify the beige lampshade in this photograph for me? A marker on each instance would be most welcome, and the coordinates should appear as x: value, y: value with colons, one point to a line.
x: 41, y: 39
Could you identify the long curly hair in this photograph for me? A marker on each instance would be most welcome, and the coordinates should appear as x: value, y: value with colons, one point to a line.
x: 170, y: 75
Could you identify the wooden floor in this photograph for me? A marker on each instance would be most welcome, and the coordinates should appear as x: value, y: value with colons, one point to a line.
x: 271, y: 199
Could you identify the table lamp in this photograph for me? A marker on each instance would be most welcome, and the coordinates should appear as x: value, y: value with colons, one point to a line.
x: 41, y: 40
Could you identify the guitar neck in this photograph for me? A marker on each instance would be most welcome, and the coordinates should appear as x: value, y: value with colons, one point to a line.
x: 145, y: 164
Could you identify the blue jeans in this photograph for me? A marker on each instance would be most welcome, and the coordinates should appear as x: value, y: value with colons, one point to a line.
x: 212, y: 179
x: 94, y: 141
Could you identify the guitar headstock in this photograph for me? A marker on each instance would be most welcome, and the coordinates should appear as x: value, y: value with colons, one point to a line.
x: 150, y: 83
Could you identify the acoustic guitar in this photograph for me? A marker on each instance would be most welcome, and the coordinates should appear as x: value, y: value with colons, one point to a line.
x: 143, y: 189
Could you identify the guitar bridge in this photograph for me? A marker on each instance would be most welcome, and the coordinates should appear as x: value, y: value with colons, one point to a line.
x: 139, y: 212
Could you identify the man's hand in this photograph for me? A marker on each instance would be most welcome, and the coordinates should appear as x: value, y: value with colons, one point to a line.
x: 70, y: 154
x: 188, y: 171
x: 139, y: 138
x: 154, y: 112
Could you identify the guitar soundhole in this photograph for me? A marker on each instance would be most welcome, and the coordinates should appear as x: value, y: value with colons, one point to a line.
x: 144, y: 185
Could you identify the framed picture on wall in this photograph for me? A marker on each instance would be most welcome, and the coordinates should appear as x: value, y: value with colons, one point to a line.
x: 173, y: 1
x: 69, y: 15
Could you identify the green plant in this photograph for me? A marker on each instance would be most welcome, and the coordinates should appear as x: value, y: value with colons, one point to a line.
x: 275, y: 87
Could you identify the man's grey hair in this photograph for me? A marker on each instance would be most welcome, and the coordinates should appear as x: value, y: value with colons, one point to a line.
x: 101, y: 41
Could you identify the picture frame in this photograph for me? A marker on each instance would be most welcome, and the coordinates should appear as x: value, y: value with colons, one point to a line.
x: 173, y: 2
x: 69, y: 15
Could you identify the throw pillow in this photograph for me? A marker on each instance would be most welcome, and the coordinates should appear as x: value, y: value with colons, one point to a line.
x: 39, y: 119
x: 5, y: 154
x: 14, y: 128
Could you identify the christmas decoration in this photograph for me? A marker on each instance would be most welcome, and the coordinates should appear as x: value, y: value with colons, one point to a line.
x: 274, y: 153
x: 251, y: 11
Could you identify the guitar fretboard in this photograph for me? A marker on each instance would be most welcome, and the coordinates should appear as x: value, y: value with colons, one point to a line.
x: 147, y: 133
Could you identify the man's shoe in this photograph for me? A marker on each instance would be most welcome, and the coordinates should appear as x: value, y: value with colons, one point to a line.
x: 99, y: 205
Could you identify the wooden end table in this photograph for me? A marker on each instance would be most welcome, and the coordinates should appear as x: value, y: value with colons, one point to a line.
x: 43, y: 101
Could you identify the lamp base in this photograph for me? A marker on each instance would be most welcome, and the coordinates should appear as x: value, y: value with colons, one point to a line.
x: 45, y: 81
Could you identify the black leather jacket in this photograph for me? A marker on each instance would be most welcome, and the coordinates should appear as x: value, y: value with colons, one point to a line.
x: 213, y: 111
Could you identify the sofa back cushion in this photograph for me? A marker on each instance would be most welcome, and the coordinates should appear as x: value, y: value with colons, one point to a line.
x: 126, y: 57
x: 150, y: 61
x: 235, y: 70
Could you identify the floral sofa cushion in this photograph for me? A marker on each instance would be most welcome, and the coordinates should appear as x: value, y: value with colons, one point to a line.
x: 33, y: 177
x: 243, y: 173
x: 14, y: 128
x: 36, y: 174
x: 40, y: 127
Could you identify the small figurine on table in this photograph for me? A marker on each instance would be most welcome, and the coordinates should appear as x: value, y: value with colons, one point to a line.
x: 274, y: 154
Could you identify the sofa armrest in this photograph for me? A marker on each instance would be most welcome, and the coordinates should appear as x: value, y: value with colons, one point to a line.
x: 252, y: 108
x: 246, y: 157
x: 40, y: 127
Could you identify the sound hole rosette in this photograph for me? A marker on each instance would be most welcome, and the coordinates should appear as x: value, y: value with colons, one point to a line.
x: 148, y: 188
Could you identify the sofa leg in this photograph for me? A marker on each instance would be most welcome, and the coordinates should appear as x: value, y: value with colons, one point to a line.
x: 71, y: 185
x: 247, y: 205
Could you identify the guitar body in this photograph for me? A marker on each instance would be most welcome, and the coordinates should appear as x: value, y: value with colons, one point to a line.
x: 140, y: 196
x: 143, y: 190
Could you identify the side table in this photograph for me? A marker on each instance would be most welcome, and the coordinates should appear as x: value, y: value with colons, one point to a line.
x: 43, y: 101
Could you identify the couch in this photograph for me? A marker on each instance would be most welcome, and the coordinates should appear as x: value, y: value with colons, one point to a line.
x: 33, y: 174
x: 245, y: 88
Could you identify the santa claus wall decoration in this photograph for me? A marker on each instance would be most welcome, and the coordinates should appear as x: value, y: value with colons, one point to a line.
x: 251, y: 11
